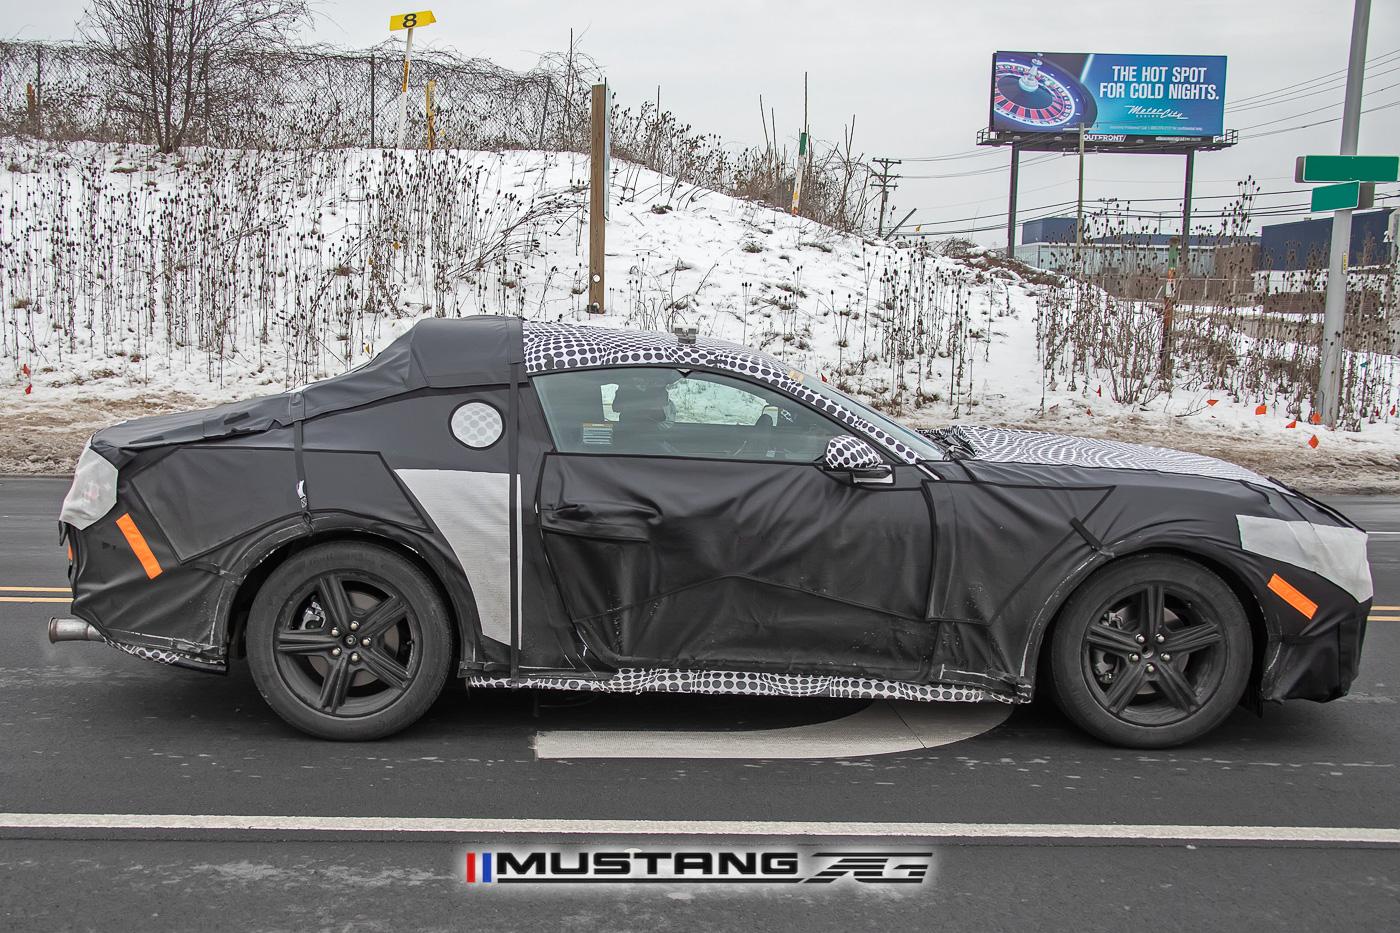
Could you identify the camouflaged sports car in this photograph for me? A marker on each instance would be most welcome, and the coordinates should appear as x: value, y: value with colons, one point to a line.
x: 556, y: 506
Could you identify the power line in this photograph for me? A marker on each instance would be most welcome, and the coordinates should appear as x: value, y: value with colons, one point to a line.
x: 1290, y: 98
x: 1304, y: 113
x: 990, y: 171
x: 1378, y: 60
x: 1127, y: 202
x: 1308, y: 126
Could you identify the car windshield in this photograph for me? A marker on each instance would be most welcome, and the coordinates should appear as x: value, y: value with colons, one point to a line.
x: 922, y: 446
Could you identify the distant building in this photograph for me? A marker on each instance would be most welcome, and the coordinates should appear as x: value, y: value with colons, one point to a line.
x: 1049, y: 243
x: 1307, y: 244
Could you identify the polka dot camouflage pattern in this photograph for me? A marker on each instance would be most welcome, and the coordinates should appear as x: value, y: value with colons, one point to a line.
x: 1000, y: 445
x: 159, y: 655
x: 849, y: 453
x: 476, y: 424
x: 641, y: 680
x: 555, y: 346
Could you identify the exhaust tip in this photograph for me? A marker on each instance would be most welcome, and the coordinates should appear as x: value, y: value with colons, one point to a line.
x: 72, y: 630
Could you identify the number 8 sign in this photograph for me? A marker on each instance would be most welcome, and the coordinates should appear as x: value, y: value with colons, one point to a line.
x: 409, y: 20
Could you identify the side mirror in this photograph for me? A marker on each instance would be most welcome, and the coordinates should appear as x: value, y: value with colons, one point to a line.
x: 853, y: 455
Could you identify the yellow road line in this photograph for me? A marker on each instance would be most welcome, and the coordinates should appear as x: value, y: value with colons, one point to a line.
x: 1384, y: 619
x: 1373, y: 608
x: 35, y: 599
x: 35, y: 589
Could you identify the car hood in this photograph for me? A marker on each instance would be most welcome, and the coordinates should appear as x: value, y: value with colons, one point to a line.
x: 1003, y: 445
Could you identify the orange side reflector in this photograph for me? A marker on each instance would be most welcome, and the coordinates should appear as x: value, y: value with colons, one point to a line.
x: 141, y: 548
x: 1289, y: 594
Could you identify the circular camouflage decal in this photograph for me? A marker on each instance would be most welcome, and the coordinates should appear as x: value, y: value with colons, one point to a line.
x: 476, y: 424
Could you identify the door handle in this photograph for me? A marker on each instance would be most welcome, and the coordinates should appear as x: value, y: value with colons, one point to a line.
x: 573, y: 519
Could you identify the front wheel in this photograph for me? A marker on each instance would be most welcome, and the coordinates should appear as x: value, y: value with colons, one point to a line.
x: 1151, y: 652
x: 349, y: 641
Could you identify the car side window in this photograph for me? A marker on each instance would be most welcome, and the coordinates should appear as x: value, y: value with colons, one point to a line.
x: 670, y: 412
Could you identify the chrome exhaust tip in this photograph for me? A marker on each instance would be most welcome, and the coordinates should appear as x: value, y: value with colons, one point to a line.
x: 72, y: 630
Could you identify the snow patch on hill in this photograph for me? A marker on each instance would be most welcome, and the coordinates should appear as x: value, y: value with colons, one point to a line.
x: 129, y: 276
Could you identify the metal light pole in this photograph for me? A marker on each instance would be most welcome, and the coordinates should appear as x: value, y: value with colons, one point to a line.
x: 1329, y: 388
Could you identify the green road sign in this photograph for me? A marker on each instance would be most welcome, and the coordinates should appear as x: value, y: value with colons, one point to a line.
x: 1346, y: 168
x: 1350, y: 195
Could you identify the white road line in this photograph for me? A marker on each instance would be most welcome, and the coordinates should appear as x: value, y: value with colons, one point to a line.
x: 878, y: 729
x: 1118, y: 832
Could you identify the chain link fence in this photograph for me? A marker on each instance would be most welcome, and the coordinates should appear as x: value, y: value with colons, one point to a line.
x: 309, y: 98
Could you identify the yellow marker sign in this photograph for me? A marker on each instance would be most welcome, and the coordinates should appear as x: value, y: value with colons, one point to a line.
x: 409, y: 20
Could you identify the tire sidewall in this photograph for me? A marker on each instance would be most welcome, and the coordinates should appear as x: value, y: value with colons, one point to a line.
x: 1074, y: 696
x: 434, y: 631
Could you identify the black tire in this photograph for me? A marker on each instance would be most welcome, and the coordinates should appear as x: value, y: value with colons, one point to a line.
x: 353, y: 667
x: 1150, y: 652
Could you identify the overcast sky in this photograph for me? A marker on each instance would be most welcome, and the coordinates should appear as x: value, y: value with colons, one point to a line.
x: 915, y: 75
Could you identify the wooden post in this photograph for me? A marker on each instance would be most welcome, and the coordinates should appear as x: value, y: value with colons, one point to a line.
x: 428, y: 108
x: 403, y: 94
x: 804, y: 158
x: 1174, y: 254
x: 597, y: 198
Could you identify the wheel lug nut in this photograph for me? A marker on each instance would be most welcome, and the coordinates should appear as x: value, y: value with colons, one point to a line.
x: 335, y: 633
x: 1142, y: 639
x: 1166, y: 657
x: 364, y: 642
x: 1151, y: 669
x: 1133, y: 657
x: 355, y: 656
x: 354, y: 626
x: 335, y: 652
x: 1161, y: 638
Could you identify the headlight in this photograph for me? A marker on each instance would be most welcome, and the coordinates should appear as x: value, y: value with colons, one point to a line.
x: 1332, y: 552
x: 94, y: 490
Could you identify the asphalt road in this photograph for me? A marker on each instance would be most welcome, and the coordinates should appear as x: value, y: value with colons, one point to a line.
x: 85, y: 730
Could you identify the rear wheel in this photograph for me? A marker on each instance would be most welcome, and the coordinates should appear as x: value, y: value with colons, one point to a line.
x: 349, y: 641
x: 1152, y: 652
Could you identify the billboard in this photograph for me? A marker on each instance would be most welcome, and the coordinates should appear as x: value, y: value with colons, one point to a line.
x: 1111, y: 96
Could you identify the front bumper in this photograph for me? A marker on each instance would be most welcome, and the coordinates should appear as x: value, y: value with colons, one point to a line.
x: 1320, y: 661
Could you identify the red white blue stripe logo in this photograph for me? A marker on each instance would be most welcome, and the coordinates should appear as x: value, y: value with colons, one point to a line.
x: 479, y: 868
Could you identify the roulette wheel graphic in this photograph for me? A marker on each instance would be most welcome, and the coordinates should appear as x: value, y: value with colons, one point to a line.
x: 1033, y: 94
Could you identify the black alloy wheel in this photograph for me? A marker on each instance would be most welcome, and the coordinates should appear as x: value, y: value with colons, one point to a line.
x: 1151, y: 652
x: 349, y: 641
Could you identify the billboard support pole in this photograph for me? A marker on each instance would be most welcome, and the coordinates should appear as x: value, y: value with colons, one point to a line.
x: 1329, y: 390
x: 1011, y: 202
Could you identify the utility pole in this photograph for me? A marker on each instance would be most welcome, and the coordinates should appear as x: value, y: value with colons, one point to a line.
x: 1079, y: 211
x: 885, y: 182
x: 1329, y: 390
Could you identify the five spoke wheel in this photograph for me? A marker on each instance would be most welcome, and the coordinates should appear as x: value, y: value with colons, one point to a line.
x: 349, y: 641
x: 1151, y: 656
x: 1150, y: 652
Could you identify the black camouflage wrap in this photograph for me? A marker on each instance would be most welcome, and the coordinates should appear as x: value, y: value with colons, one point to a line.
x: 673, y: 573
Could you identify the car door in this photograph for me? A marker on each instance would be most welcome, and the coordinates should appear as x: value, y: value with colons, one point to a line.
x: 688, y: 521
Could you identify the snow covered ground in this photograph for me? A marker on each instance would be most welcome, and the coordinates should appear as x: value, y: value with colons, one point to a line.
x: 131, y: 282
